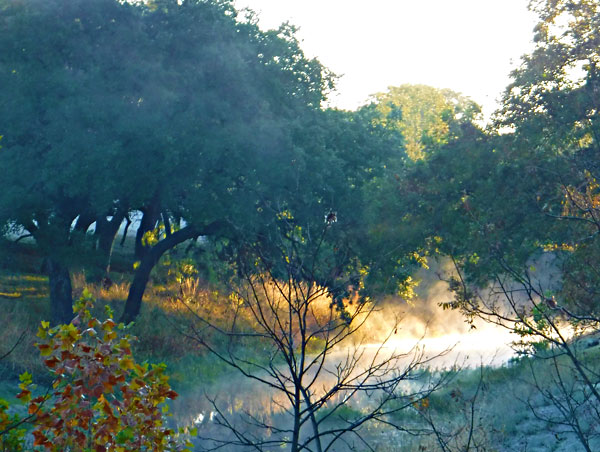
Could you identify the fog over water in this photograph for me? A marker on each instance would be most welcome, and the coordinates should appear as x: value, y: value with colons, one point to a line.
x: 441, y: 338
x: 398, y: 331
x: 423, y: 322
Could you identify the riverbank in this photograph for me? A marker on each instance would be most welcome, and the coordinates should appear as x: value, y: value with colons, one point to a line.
x: 514, y: 405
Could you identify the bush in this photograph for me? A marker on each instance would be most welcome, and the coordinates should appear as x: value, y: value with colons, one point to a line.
x: 12, y: 434
x: 101, y: 400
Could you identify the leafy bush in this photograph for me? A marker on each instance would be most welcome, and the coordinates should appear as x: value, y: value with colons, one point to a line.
x: 101, y: 400
x: 11, y: 433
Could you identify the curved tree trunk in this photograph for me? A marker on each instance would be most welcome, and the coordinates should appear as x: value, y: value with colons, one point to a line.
x: 106, y: 230
x: 61, y: 294
x: 147, y: 263
x: 127, y: 224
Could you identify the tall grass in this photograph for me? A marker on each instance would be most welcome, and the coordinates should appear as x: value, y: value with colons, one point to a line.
x: 23, y: 303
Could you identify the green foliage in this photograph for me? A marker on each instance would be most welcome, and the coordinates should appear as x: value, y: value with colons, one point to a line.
x: 498, y: 202
x: 183, y: 270
x: 556, y: 87
x: 84, y: 138
x: 12, y: 435
x: 427, y: 117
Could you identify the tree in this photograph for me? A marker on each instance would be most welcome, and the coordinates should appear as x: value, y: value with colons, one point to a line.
x: 225, y: 131
x: 247, y: 155
x: 69, y: 114
x: 171, y: 124
x: 555, y: 90
x: 517, y: 212
x: 503, y: 220
x: 324, y: 163
x: 427, y: 117
x: 306, y: 331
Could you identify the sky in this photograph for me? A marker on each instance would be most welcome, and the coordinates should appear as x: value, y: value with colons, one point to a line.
x: 469, y: 46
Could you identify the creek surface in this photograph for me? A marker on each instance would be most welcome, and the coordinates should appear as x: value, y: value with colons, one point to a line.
x: 441, y: 338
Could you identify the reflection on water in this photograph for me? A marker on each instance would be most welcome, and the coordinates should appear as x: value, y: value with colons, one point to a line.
x: 421, y: 330
x: 236, y: 395
x: 489, y: 345
x: 440, y: 339
x: 233, y: 394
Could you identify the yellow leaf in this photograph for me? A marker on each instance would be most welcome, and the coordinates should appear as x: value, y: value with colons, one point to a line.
x: 42, y: 333
x: 126, y: 363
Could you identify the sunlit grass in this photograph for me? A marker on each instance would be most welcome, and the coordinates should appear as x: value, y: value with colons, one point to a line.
x: 24, y: 303
x: 31, y: 278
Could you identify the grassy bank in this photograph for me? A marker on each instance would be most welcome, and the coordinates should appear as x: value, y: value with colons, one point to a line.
x: 159, y: 329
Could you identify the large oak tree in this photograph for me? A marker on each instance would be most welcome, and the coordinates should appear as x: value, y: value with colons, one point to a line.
x: 177, y: 109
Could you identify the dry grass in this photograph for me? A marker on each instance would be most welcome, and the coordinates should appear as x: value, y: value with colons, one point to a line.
x: 22, y: 311
x: 24, y: 303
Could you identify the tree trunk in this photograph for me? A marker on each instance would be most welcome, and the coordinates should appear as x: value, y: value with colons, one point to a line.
x: 127, y: 224
x: 83, y: 223
x: 313, y: 419
x: 150, y: 217
x: 61, y: 296
x: 296, y: 428
x: 106, y: 230
x: 147, y: 263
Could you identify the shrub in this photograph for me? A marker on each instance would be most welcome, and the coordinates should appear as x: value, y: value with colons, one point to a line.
x: 101, y: 400
x: 11, y: 432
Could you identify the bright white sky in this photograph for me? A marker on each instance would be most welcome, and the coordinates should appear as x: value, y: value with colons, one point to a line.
x: 464, y: 45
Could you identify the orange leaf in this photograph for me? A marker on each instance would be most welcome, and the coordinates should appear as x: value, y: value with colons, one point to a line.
x: 40, y: 439
x: 51, y: 362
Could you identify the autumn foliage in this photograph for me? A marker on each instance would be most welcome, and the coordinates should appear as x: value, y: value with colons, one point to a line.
x: 11, y: 431
x: 100, y: 399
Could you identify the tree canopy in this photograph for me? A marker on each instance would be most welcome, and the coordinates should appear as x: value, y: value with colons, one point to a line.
x: 525, y: 190
x: 167, y: 107
x: 427, y: 117
x: 181, y: 110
